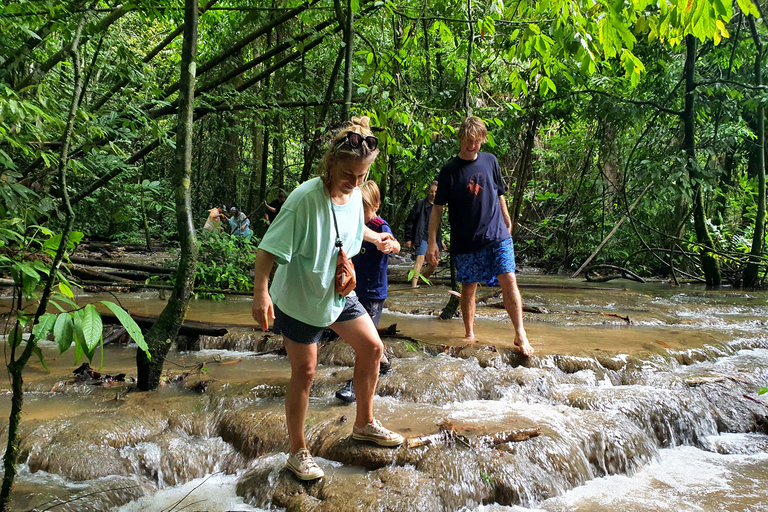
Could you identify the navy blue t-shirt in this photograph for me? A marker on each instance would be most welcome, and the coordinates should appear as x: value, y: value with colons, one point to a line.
x: 371, y: 266
x: 471, y: 191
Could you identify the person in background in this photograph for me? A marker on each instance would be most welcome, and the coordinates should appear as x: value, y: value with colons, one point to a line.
x: 371, y: 269
x: 239, y: 224
x: 302, y: 300
x: 417, y: 231
x: 470, y: 185
x: 215, y: 217
x: 273, y: 208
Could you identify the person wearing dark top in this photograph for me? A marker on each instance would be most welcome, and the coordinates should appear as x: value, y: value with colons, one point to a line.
x: 273, y: 208
x: 371, y: 273
x: 470, y: 185
x: 417, y: 232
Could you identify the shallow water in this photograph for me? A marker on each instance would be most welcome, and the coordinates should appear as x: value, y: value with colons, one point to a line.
x: 659, y: 413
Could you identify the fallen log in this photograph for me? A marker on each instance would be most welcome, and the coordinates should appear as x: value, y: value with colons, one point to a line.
x: 623, y: 274
x: 91, y: 262
x: 188, y: 328
x: 88, y: 273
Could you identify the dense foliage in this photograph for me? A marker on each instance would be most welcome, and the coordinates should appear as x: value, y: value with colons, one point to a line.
x: 584, y: 101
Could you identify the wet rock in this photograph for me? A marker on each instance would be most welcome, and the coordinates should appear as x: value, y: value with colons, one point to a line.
x: 336, y: 353
x: 78, y: 460
x: 438, y: 380
x: 254, y: 431
x: 243, y: 339
x: 390, y: 489
x: 84, y: 447
x: 31, y: 492
x: 367, y: 455
x: 487, y: 356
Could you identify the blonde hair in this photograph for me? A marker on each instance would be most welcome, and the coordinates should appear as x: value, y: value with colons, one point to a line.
x: 341, y: 150
x: 474, y: 127
x: 371, y: 195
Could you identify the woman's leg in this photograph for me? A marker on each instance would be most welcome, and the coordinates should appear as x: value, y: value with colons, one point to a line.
x: 303, y: 360
x: 362, y: 336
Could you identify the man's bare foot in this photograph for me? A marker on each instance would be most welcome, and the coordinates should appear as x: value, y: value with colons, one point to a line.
x: 523, y: 346
x: 469, y: 338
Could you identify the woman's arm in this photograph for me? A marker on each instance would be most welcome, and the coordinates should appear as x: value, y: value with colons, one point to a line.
x: 262, y: 309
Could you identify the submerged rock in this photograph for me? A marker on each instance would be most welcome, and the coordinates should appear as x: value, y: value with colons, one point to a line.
x: 343, y: 489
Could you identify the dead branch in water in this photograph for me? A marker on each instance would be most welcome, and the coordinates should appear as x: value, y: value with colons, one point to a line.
x: 448, y: 436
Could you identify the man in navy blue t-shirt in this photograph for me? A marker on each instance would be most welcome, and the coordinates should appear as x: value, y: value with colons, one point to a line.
x: 470, y: 185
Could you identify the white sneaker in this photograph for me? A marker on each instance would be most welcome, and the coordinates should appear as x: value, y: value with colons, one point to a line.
x: 304, y: 466
x: 376, y: 433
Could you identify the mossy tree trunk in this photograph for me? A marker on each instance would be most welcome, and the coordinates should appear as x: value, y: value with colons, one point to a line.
x: 756, y: 253
x: 709, y: 264
x: 168, y: 323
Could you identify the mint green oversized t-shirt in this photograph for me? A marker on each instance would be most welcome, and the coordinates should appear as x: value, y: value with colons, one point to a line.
x: 302, y: 238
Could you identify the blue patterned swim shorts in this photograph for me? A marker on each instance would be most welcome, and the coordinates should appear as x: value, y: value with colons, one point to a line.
x: 483, y: 265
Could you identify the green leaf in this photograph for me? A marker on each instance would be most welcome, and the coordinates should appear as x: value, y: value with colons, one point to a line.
x: 44, y: 326
x: 16, y: 336
x: 91, y: 326
x: 66, y: 289
x: 39, y: 353
x: 133, y: 329
x: 63, y: 332
x: 762, y: 391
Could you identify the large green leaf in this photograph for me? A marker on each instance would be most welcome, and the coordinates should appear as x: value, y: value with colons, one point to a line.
x: 133, y: 329
x: 91, y: 326
x: 44, y: 326
x: 63, y: 331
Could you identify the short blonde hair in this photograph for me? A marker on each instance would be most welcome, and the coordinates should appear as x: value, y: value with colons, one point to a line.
x: 371, y: 195
x: 474, y: 127
x: 341, y: 150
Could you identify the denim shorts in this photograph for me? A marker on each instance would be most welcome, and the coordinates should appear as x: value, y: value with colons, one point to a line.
x: 421, y: 250
x: 298, y: 331
x: 484, y: 264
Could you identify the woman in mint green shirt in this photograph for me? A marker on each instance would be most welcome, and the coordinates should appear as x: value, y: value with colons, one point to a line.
x: 302, y: 299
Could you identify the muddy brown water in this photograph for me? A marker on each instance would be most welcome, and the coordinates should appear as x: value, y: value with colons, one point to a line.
x: 658, y: 414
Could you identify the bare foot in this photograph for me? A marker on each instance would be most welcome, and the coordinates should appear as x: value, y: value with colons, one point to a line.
x: 469, y: 338
x: 522, y: 345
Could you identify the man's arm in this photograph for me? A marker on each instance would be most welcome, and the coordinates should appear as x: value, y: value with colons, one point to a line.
x: 505, y: 213
x: 262, y: 309
x: 433, y: 253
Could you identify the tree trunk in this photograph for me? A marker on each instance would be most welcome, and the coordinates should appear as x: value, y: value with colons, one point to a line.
x: 708, y: 262
x: 523, y: 172
x: 349, y: 36
x: 756, y: 253
x: 468, y: 72
x: 309, y: 161
x: 170, y: 320
x: 257, y: 142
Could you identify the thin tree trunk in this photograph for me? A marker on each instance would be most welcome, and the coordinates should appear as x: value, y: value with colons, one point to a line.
x: 756, y: 253
x: 708, y: 262
x: 16, y: 366
x: 349, y: 37
x: 168, y: 323
x: 523, y: 174
x: 468, y: 72
x: 315, y: 143
x: 428, y: 57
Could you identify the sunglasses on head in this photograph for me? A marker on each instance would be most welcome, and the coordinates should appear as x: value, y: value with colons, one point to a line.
x: 355, y: 141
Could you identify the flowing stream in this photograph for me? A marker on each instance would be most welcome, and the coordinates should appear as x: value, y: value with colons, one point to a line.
x: 660, y: 413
